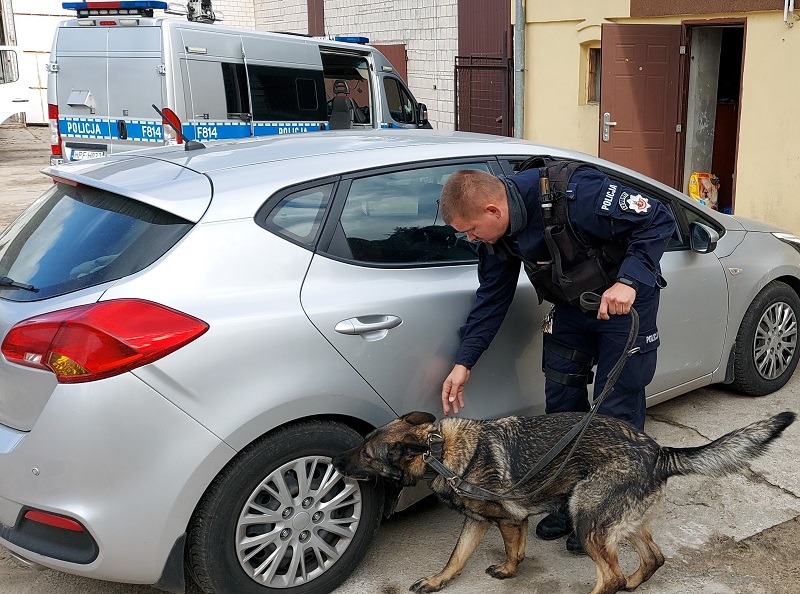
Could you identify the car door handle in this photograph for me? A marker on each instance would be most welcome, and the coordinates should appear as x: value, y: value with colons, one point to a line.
x: 367, y: 324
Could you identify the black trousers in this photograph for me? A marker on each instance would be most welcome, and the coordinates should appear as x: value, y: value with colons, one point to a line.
x: 604, y: 341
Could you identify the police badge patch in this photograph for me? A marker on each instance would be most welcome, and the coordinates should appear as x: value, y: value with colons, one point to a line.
x: 636, y: 203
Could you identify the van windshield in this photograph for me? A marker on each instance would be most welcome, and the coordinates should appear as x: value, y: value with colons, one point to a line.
x: 76, y: 237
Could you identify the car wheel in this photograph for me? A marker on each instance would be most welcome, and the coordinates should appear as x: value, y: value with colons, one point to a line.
x: 280, y: 518
x: 766, y: 349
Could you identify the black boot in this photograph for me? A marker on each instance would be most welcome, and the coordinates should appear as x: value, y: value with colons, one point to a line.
x: 574, y: 545
x: 554, y: 525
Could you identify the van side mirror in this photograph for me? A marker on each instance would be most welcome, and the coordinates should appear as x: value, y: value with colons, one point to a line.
x: 422, y: 114
x: 702, y: 238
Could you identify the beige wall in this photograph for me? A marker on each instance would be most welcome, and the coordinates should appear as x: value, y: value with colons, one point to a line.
x: 768, y: 164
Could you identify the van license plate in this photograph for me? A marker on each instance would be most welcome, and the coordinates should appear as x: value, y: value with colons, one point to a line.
x: 81, y: 155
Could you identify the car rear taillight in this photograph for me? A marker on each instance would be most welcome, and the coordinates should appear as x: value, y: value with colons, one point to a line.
x: 55, y: 133
x: 91, y: 342
x: 168, y: 131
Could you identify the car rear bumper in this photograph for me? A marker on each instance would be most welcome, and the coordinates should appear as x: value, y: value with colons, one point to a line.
x: 120, y: 460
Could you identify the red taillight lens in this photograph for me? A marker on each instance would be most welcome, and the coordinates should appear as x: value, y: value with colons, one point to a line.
x: 53, y: 520
x: 91, y: 342
x: 55, y: 134
x: 169, y: 132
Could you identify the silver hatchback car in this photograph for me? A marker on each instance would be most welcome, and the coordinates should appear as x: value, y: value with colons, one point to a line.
x: 189, y: 336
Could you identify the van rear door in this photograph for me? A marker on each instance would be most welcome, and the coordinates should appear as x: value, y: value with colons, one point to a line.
x: 135, y: 83
x: 82, y: 91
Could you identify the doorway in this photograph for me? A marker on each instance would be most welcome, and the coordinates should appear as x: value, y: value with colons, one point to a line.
x: 712, y: 106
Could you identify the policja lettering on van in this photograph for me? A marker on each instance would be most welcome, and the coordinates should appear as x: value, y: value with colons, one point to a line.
x: 88, y: 128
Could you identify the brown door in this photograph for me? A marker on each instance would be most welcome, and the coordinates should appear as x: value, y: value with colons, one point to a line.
x: 639, y: 94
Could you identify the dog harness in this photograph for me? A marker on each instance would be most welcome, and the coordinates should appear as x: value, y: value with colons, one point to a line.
x: 435, y: 441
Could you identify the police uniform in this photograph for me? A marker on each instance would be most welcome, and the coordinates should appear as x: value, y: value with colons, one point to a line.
x: 601, y: 211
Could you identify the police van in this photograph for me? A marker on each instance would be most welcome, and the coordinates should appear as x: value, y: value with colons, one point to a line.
x: 116, y: 60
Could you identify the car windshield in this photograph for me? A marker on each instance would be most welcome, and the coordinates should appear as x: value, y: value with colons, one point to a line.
x: 75, y: 237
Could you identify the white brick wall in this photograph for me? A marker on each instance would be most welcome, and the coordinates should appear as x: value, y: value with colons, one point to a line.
x: 237, y: 13
x: 430, y: 33
x: 281, y: 15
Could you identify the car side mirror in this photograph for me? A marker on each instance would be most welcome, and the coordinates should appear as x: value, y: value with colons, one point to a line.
x: 422, y: 114
x: 702, y: 238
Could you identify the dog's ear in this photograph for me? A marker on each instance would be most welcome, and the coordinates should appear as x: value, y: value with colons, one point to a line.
x: 418, y: 418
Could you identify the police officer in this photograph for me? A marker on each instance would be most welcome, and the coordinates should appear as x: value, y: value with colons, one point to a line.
x: 505, y: 217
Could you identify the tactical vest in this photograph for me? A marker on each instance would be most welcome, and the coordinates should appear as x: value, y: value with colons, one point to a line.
x: 576, y: 266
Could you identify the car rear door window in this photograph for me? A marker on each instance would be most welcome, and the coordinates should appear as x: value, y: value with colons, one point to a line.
x: 393, y: 218
x: 76, y: 237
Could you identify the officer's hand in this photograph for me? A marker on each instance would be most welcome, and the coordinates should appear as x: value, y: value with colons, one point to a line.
x: 453, y: 389
x: 617, y: 300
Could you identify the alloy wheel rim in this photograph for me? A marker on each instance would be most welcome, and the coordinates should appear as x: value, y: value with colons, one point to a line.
x: 297, y: 523
x: 775, y: 340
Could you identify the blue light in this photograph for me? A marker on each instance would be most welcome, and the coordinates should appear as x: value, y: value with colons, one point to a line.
x: 352, y: 39
x: 121, y: 4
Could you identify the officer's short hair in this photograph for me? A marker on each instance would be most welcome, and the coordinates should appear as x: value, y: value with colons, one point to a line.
x: 467, y: 191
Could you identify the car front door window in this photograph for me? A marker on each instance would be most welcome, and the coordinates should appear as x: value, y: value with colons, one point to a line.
x: 393, y: 218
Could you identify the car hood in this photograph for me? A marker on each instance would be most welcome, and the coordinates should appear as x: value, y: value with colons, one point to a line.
x: 758, y: 226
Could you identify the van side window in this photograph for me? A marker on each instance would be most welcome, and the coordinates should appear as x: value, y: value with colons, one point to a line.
x: 287, y: 94
x: 400, y: 103
x: 9, y: 71
x: 237, y: 99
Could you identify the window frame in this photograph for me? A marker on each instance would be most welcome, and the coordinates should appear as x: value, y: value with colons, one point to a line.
x: 333, y: 243
x: 263, y: 213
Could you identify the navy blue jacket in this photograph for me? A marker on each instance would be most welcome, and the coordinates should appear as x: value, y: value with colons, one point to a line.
x: 600, y: 211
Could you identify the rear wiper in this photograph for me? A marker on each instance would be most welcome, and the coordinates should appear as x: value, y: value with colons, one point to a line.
x: 10, y: 282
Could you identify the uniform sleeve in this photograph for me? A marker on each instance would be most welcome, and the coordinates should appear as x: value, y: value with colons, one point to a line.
x: 605, y: 210
x: 498, y: 282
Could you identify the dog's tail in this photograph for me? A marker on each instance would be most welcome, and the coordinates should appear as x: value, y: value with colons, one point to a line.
x: 726, y: 455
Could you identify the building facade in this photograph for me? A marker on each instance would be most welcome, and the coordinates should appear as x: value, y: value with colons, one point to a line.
x: 688, y: 86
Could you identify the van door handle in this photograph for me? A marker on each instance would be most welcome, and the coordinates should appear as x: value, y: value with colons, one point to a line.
x: 371, y: 327
x: 122, y: 130
x: 19, y: 100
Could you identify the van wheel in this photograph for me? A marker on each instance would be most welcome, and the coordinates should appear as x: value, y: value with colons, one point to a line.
x: 280, y: 518
x: 766, y: 350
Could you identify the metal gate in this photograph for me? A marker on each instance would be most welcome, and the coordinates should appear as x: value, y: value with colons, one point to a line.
x: 483, y: 95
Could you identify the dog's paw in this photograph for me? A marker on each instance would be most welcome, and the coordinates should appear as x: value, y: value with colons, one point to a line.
x: 428, y: 584
x: 501, y: 572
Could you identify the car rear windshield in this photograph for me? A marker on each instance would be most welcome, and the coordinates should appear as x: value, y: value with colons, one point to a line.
x: 76, y: 237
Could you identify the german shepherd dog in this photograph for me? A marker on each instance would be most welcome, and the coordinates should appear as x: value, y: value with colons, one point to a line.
x: 611, y: 481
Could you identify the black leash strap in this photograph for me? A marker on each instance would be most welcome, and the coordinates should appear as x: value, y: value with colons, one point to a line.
x: 588, y: 302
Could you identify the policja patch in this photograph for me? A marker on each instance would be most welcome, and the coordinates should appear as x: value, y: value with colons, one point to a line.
x: 636, y: 203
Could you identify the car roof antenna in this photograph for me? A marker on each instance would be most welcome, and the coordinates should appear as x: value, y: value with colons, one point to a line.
x: 188, y: 145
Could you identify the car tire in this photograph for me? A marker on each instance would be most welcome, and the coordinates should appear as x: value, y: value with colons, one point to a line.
x: 275, y: 500
x: 766, y: 350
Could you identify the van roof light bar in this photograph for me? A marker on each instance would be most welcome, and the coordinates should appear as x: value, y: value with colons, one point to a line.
x: 143, y: 8
x: 352, y: 39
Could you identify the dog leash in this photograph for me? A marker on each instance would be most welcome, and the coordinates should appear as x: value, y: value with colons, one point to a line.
x: 588, y: 302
